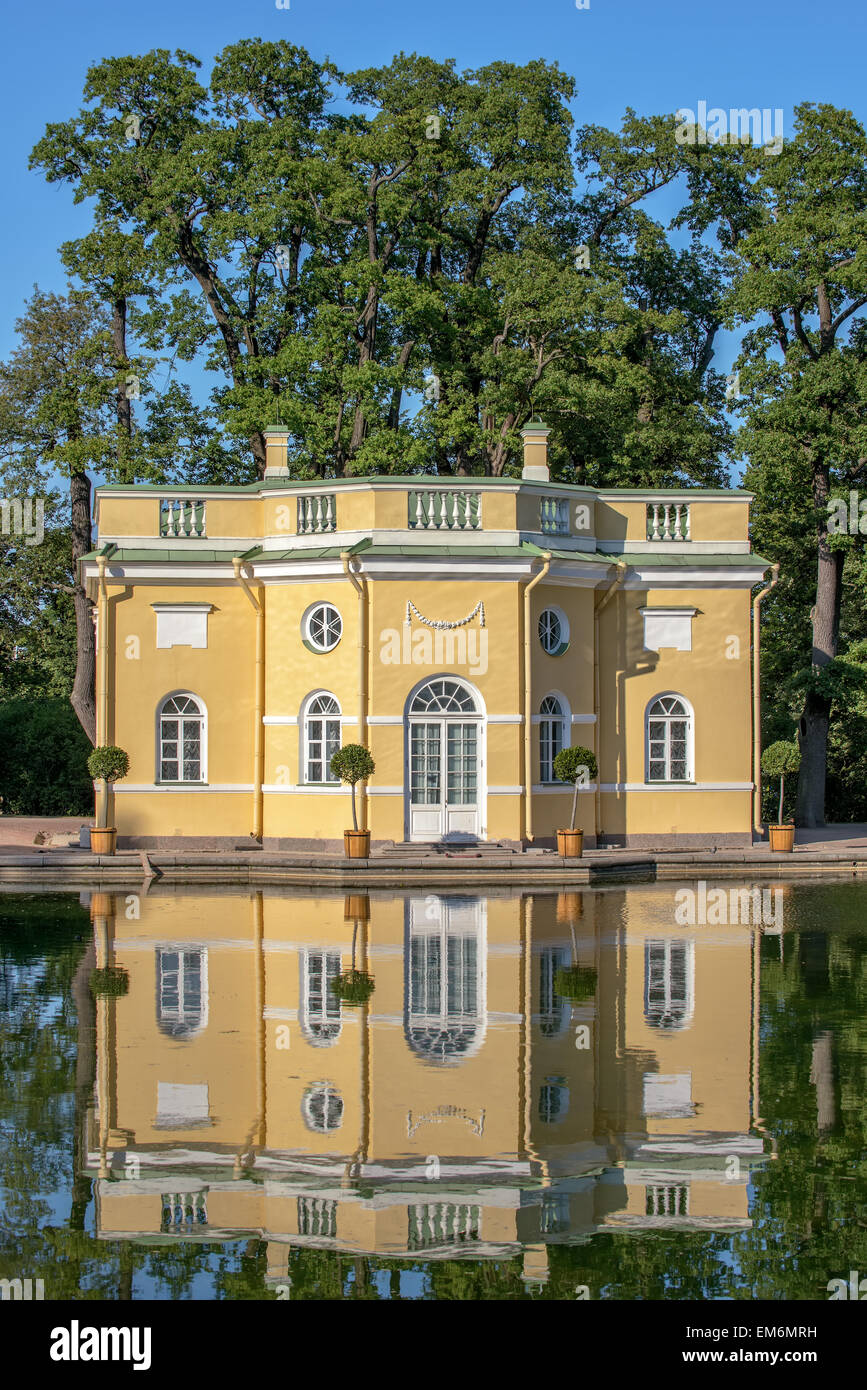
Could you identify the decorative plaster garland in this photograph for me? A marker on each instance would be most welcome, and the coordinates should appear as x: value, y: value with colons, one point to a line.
x: 440, y: 624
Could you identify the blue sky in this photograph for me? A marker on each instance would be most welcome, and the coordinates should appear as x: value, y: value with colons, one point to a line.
x: 655, y: 55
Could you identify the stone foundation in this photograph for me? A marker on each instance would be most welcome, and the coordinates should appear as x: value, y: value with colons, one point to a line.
x: 735, y: 839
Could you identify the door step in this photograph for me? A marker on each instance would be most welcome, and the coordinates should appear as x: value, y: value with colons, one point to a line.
x: 407, y: 848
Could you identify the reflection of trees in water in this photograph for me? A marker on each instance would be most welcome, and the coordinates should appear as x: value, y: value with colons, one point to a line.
x: 804, y: 1206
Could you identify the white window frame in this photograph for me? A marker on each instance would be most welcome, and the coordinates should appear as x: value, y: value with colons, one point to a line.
x: 202, y: 778
x: 659, y: 956
x: 307, y: 715
x: 309, y: 613
x: 321, y: 1027
x: 181, y: 1029
x: 543, y: 719
x: 689, y: 716
x: 564, y: 629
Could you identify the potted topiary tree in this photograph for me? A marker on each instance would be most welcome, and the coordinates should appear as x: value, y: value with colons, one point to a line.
x: 352, y: 763
x: 106, y: 764
x: 578, y: 767
x: 779, y: 759
x: 354, y: 987
x: 574, y: 982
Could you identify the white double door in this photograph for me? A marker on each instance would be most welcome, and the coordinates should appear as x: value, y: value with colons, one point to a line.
x: 444, y: 757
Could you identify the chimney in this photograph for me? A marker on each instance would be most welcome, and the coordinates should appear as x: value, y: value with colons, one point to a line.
x: 535, y: 437
x: 276, y: 452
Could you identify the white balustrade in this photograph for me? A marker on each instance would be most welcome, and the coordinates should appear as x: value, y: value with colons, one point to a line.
x: 182, y: 517
x: 442, y: 1223
x: 554, y: 516
x: 185, y: 1209
x: 444, y: 510
x: 317, y: 513
x: 668, y: 521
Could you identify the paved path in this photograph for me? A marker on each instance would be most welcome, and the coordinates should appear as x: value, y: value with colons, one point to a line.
x: 19, y: 831
x: 58, y: 832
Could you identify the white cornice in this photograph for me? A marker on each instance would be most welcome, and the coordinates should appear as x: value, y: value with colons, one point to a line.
x: 729, y: 577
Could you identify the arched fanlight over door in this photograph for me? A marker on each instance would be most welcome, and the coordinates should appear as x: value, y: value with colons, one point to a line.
x: 443, y: 696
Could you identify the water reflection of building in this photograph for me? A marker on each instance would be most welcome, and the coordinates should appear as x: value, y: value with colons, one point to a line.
x: 467, y: 1107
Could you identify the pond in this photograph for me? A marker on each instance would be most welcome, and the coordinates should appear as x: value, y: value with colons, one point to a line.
x: 644, y: 1092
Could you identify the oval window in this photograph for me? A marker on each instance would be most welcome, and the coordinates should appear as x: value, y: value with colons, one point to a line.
x: 321, y: 627
x: 553, y: 631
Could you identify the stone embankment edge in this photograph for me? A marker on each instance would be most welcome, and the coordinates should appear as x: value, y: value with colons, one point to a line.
x: 130, y: 867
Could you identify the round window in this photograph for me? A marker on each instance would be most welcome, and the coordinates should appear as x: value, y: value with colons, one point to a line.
x: 553, y: 631
x: 323, y: 1108
x: 321, y: 627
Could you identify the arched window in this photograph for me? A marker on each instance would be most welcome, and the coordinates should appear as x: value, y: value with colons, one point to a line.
x: 321, y: 737
x: 181, y: 739
x: 669, y: 740
x: 669, y: 972
x: 443, y: 696
x: 320, y: 1006
x: 552, y: 735
x: 182, y: 991
x: 322, y: 1108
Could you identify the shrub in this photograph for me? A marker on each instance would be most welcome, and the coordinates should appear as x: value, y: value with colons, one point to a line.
x: 352, y: 763
x: 777, y: 760
x: 576, y: 983
x: 353, y: 987
x: 108, y: 763
x: 111, y: 981
x: 43, y: 759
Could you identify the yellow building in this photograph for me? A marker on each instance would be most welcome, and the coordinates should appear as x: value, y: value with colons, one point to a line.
x: 466, y: 1107
x: 463, y: 629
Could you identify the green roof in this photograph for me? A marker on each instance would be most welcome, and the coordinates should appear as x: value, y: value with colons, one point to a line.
x: 195, y: 555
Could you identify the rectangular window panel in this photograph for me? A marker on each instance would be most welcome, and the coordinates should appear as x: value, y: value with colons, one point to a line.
x: 425, y: 765
x: 461, y: 764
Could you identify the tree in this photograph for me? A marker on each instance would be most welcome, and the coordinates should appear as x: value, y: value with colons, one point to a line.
x: 55, y: 417
x: 330, y: 267
x: 793, y: 226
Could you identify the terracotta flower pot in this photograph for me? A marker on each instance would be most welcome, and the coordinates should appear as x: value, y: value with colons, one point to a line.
x: 103, y: 841
x: 570, y: 843
x: 782, y: 838
x: 356, y: 844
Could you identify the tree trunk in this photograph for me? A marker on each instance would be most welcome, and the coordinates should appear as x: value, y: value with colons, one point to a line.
x: 85, y: 1074
x: 123, y: 402
x: 822, y: 1077
x: 810, y: 805
x: 83, y: 697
